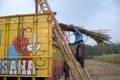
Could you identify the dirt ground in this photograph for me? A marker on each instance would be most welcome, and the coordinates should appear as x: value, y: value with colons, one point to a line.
x: 102, y: 70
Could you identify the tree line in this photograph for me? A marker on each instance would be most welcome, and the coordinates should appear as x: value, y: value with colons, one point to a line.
x: 101, y: 49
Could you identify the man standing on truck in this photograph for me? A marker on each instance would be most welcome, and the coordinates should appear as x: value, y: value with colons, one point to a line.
x: 80, y: 50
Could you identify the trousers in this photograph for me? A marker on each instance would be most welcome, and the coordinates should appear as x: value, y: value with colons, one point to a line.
x: 79, y: 55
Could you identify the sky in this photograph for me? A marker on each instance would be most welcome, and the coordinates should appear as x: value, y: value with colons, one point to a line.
x: 92, y: 14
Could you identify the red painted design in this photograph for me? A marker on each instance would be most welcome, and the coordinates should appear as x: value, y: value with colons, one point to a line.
x: 21, y: 43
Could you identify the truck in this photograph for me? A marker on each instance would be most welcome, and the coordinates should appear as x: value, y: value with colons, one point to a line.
x: 27, y: 48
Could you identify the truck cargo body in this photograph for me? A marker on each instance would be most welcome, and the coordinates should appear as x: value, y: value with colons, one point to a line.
x: 26, y: 47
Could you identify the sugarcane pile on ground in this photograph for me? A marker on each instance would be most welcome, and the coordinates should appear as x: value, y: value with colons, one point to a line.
x: 98, y: 37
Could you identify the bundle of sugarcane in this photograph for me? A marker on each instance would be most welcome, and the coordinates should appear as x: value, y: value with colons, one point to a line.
x: 98, y: 37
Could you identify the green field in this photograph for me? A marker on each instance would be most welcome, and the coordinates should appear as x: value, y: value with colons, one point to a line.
x: 113, y: 58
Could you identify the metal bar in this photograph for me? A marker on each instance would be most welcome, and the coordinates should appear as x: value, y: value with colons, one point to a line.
x: 36, y: 6
x: 25, y: 21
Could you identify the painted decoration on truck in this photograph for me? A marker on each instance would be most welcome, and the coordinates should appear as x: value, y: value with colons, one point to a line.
x: 0, y: 36
x: 19, y: 59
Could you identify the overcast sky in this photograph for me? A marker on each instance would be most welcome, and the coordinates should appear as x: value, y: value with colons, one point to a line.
x: 92, y: 14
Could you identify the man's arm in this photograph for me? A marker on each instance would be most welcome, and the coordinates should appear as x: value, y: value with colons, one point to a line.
x: 72, y: 44
x: 77, y: 31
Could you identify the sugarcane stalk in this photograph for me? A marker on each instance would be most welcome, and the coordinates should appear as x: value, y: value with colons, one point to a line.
x: 98, y: 37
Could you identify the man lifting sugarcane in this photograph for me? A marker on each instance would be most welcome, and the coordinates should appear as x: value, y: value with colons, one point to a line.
x: 80, y: 50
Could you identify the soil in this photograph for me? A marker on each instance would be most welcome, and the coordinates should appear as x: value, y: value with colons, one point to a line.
x: 102, y: 70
